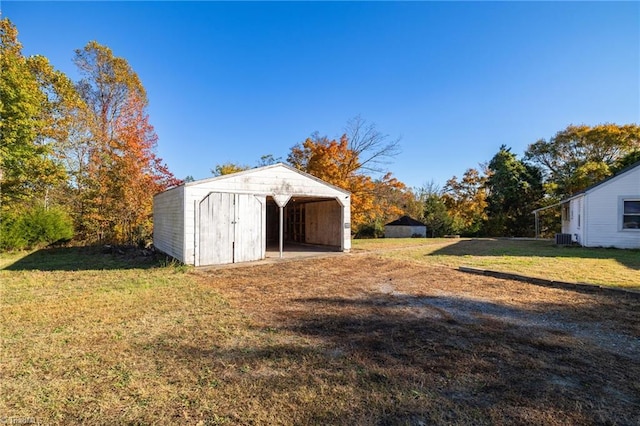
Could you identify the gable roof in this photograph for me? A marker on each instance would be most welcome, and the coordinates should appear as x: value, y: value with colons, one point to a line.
x: 405, y: 221
x: 592, y: 187
x: 272, y: 166
x: 255, y: 175
x: 603, y: 181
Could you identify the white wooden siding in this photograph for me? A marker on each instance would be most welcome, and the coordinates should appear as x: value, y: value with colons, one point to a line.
x: 575, y: 223
x: 168, y: 222
x: 215, y: 231
x: 323, y: 223
x: 566, y: 218
x: 230, y: 228
x: 274, y: 180
x: 278, y: 181
x: 250, y: 228
x: 604, y: 215
x: 271, y: 180
x: 404, y: 231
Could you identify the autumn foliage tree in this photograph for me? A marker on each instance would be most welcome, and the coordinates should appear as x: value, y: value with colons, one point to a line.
x: 333, y: 162
x: 466, y: 200
x: 337, y: 162
x: 393, y: 199
x: 122, y: 171
x: 580, y: 156
x: 136, y: 173
x: 82, y: 152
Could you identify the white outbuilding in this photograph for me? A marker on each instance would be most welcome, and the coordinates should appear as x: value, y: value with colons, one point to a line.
x: 405, y: 227
x: 233, y: 218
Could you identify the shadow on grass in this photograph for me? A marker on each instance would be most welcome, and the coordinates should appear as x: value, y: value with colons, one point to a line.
x: 85, y: 259
x: 430, y: 360
x: 506, y: 247
x: 500, y: 363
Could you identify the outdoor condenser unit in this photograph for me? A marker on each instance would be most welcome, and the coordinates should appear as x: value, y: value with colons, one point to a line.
x: 563, y: 239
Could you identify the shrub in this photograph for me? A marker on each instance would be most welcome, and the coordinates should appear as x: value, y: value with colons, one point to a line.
x: 34, y: 227
x: 370, y: 230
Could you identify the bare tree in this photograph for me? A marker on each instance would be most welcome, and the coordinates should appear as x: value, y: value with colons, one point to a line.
x: 374, y: 149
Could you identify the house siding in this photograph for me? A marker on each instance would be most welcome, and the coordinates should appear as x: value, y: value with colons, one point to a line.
x: 575, y: 225
x: 604, y: 212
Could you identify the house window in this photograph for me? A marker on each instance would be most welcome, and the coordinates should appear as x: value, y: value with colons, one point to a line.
x: 631, y: 214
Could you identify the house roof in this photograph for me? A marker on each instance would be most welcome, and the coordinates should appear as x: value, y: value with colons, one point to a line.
x: 603, y: 181
x: 405, y: 221
x: 592, y: 187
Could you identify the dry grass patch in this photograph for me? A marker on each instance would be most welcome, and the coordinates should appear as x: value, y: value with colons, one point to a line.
x: 106, y: 346
x: 354, y: 339
x: 409, y: 343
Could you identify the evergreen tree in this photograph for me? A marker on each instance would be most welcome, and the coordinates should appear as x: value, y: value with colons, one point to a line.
x: 514, y: 190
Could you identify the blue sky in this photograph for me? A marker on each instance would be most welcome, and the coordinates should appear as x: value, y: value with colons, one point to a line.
x: 232, y: 81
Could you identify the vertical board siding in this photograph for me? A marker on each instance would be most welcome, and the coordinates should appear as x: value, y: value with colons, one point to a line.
x: 346, y: 224
x: 249, y: 243
x: 230, y: 229
x: 193, y: 197
x: 180, y: 214
x: 576, y: 227
x: 323, y: 224
x: 216, y: 229
x: 168, y: 223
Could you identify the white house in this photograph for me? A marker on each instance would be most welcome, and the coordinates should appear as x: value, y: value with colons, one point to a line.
x: 405, y: 227
x: 606, y: 214
x: 232, y: 218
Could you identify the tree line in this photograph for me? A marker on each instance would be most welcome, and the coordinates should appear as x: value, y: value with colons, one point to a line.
x: 77, y: 159
x: 497, y: 199
x: 356, y: 162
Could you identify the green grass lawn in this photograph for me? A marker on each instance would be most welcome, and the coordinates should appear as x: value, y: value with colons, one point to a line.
x: 539, y: 259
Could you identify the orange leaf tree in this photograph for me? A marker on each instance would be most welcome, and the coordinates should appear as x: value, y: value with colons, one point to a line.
x: 136, y: 173
x: 466, y: 200
x: 338, y: 163
x: 122, y: 171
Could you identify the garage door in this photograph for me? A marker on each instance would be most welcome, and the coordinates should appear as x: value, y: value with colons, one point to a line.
x: 230, y: 228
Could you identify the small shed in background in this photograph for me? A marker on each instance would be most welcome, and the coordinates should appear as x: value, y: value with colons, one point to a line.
x: 232, y: 218
x: 405, y: 227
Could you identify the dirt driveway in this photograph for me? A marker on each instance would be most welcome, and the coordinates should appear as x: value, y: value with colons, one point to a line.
x: 441, y: 346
